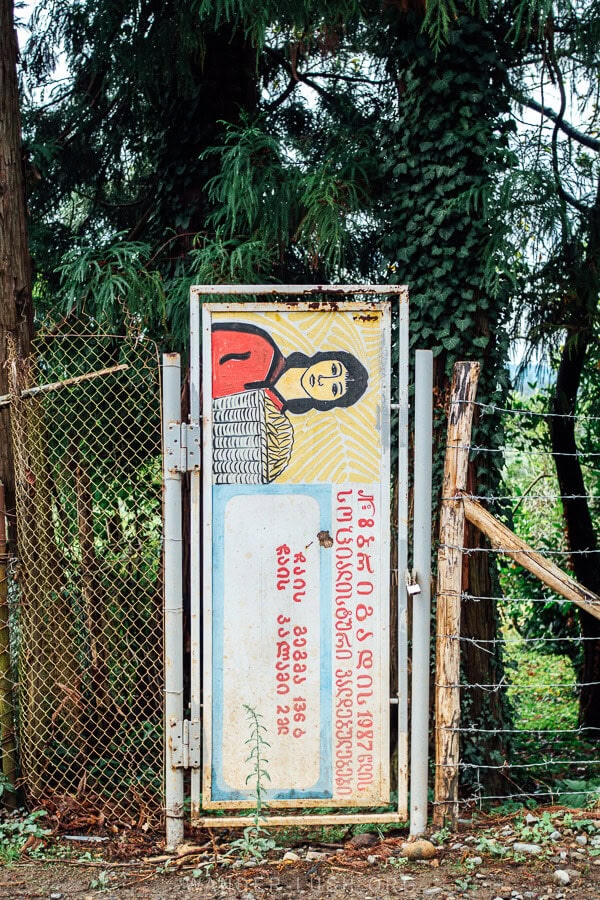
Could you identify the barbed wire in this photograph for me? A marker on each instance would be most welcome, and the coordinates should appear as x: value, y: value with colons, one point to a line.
x: 478, y: 448
x: 490, y: 407
x: 525, y: 795
x: 473, y: 730
x: 544, y: 763
x: 544, y: 551
x: 575, y: 639
x: 516, y: 688
x: 465, y: 595
x: 554, y: 688
x: 492, y: 498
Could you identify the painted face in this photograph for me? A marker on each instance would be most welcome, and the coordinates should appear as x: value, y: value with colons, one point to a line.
x: 325, y: 380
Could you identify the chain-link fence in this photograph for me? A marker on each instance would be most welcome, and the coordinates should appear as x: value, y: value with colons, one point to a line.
x: 87, y: 634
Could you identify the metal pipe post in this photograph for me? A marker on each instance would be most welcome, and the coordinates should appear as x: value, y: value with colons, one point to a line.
x: 402, y: 519
x: 194, y: 549
x: 173, y: 599
x: 421, y: 620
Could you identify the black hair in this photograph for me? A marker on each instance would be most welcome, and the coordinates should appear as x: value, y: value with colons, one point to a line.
x: 357, y: 380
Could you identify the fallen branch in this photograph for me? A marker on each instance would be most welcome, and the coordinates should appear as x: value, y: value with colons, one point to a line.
x: 68, y: 382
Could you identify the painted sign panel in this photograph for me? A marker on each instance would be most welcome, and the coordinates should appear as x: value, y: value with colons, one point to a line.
x: 296, y: 552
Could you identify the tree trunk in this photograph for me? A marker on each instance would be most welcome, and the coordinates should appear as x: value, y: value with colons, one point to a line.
x: 16, y: 316
x: 576, y: 512
x: 577, y: 516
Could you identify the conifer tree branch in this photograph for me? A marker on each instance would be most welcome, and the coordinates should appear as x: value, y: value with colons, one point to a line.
x: 565, y: 196
x: 584, y: 139
x: 269, y: 107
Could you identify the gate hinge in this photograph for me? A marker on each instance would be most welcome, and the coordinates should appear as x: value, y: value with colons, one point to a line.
x: 185, y: 744
x: 182, y: 445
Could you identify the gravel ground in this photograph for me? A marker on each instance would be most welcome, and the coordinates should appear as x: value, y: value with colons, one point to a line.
x: 521, y: 858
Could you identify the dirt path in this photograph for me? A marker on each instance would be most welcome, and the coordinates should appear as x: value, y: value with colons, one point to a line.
x: 547, y: 857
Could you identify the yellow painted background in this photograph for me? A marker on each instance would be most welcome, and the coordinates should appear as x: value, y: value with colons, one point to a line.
x: 340, y: 444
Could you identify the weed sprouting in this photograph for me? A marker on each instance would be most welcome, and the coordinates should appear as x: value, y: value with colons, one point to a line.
x: 256, y: 840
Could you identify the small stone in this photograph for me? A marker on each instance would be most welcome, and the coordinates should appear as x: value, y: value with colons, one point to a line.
x: 563, y: 854
x: 457, y: 846
x: 290, y: 856
x: 364, y: 840
x: 561, y: 877
x: 476, y: 860
x: 406, y: 878
x: 531, y: 820
x: 56, y: 895
x: 506, y: 830
x: 419, y: 849
x: 518, y: 847
x: 371, y: 859
x: 314, y: 855
x: 555, y: 836
x: 433, y: 890
x: 471, y: 839
x: 529, y: 895
x: 581, y: 839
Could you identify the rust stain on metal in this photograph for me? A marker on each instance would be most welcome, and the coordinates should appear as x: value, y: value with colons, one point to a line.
x: 365, y: 317
x: 331, y: 305
x: 325, y: 539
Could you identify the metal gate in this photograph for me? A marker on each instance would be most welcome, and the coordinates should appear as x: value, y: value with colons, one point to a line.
x: 242, y: 700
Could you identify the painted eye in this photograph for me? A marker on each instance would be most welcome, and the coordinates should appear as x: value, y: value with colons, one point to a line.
x: 334, y: 390
x: 334, y: 370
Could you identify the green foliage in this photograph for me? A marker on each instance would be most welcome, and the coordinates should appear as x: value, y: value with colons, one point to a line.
x: 529, y: 473
x: 102, y: 881
x: 112, y: 286
x: 16, y: 830
x: 255, y: 187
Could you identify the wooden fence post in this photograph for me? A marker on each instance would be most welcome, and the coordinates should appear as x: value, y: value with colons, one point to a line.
x: 7, y: 731
x: 449, y: 589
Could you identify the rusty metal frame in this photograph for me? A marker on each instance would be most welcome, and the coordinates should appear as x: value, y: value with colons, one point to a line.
x: 335, y: 292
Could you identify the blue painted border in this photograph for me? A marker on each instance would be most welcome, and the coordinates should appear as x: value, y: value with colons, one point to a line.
x: 323, y: 789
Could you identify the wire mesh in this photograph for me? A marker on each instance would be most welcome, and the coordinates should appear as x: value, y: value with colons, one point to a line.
x: 87, y: 613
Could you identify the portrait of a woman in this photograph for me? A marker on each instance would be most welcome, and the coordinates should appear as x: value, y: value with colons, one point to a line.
x: 244, y: 357
x: 255, y: 388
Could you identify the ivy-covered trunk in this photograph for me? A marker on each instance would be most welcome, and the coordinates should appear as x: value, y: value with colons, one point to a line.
x: 443, y: 157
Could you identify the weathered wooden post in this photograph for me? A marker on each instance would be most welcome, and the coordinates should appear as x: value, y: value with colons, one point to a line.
x: 449, y: 589
x: 7, y: 733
